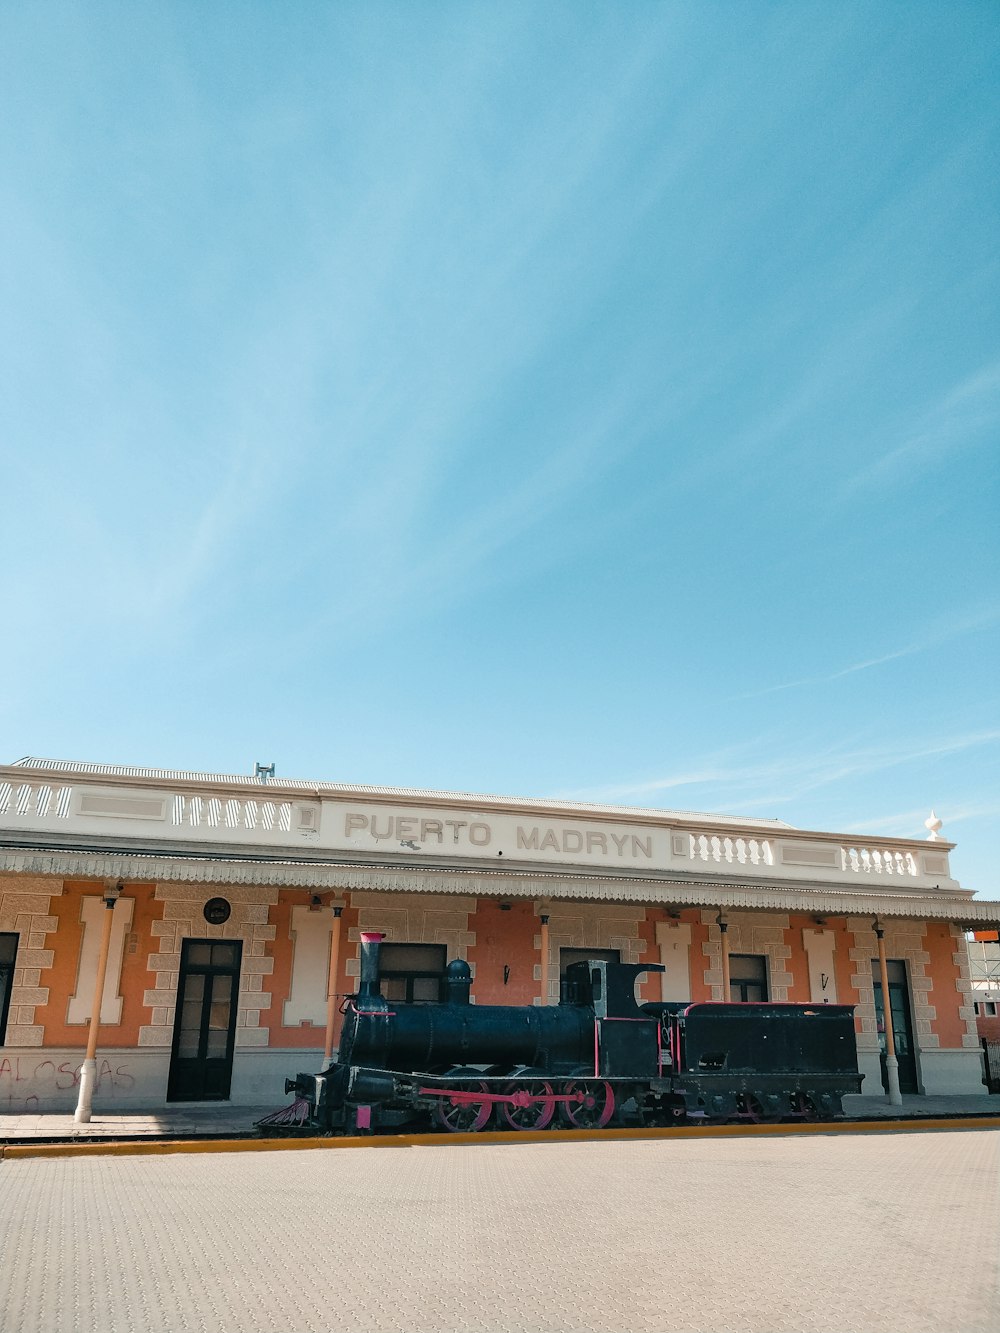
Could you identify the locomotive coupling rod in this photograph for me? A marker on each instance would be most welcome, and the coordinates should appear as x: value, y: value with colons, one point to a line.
x: 459, y: 1097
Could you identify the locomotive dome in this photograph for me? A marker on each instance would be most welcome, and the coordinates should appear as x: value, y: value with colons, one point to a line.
x: 238, y: 906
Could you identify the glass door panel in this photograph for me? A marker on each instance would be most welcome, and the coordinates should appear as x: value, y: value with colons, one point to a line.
x: 902, y: 1027
x: 201, y: 1063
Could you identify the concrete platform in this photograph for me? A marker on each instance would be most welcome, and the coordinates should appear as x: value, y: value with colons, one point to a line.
x: 209, y: 1120
x: 212, y: 1120
x: 872, y: 1108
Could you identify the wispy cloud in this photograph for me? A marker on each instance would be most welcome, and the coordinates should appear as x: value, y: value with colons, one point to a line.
x: 949, y: 630
x: 903, y: 823
x: 958, y: 419
x: 731, y: 786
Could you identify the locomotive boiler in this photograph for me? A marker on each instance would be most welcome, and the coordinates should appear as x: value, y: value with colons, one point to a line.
x: 594, y: 1058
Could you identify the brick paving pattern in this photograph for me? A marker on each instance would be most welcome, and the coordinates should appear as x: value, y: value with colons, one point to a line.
x: 880, y: 1233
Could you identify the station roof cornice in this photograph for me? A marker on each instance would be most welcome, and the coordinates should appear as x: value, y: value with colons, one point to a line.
x: 241, y: 784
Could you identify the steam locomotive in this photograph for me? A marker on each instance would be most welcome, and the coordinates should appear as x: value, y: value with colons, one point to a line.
x: 593, y: 1059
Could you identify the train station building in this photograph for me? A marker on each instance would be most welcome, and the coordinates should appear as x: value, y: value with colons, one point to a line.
x: 226, y: 914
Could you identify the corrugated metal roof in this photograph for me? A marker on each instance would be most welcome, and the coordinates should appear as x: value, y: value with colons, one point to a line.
x: 553, y: 886
x: 392, y: 793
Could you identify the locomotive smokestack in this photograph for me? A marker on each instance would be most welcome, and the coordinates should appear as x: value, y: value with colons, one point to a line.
x: 370, y: 942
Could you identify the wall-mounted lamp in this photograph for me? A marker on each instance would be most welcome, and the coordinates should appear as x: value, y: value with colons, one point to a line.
x: 819, y: 920
x: 504, y: 907
x: 315, y: 903
x: 672, y: 914
x: 112, y: 893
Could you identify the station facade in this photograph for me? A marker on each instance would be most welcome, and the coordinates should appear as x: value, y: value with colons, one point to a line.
x: 237, y: 905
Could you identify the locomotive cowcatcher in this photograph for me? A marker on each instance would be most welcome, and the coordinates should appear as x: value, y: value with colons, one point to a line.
x: 594, y: 1058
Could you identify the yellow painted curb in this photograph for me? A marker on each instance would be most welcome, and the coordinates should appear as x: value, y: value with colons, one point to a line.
x: 163, y: 1147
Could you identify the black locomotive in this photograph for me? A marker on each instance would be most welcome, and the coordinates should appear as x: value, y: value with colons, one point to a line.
x: 594, y: 1058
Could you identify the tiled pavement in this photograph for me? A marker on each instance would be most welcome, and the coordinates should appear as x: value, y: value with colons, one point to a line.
x: 210, y: 1119
x: 815, y: 1234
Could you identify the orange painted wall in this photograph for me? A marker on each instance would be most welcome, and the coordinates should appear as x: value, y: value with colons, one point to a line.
x: 649, y: 990
x: 699, y: 961
x: 504, y: 939
x: 798, y: 963
x: 843, y: 965
x: 279, y: 983
x: 944, y: 995
x: 61, y: 977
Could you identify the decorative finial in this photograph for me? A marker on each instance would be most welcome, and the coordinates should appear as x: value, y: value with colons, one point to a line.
x: 934, y: 824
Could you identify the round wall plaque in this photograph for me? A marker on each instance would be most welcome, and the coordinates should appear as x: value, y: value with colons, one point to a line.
x: 217, y: 911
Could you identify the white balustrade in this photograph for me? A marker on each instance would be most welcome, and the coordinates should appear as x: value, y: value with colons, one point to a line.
x: 731, y: 851
x: 234, y: 813
x: 42, y: 800
x: 35, y: 800
x: 855, y: 859
x: 862, y: 860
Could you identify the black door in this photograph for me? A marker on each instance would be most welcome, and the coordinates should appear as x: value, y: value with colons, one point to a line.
x: 201, y: 1059
x: 902, y: 1026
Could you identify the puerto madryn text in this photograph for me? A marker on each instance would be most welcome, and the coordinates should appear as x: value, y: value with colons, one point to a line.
x: 409, y: 829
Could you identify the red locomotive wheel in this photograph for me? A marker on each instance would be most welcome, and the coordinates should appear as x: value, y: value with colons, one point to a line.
x: 536, y: 1113
x: 462, y: 1117
x: 591, y: 1104
x: 753, y: 1109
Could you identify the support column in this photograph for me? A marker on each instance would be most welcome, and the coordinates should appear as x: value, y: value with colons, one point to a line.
x: 724, y: 931
x: 331, y: 987
x: 88, y: 1071
x: 545, y: 957
x: 891, y: 1063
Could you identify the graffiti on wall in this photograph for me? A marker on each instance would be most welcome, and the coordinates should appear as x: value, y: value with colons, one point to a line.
x: 26, y: 1083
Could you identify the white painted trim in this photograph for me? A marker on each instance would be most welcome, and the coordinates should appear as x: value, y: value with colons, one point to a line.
x: 309, y: 931
x: 820, y: 947
x: 870, y: 1067
x: 952, y: 1073
x: 674, y: 941
x: 92, y: 911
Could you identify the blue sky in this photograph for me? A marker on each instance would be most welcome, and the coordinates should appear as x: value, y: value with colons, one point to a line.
x: 585, y: 400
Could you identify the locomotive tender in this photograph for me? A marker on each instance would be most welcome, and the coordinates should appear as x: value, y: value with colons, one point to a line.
x: 582, y: 1062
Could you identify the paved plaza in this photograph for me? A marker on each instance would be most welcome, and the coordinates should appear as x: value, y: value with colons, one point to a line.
x: 895, y: 1232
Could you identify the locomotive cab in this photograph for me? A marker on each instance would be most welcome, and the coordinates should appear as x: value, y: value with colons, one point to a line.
x: 626, y: 1040
x: 607, y: 988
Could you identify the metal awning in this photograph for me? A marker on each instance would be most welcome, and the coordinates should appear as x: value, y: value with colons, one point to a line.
x: 958, y: 907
